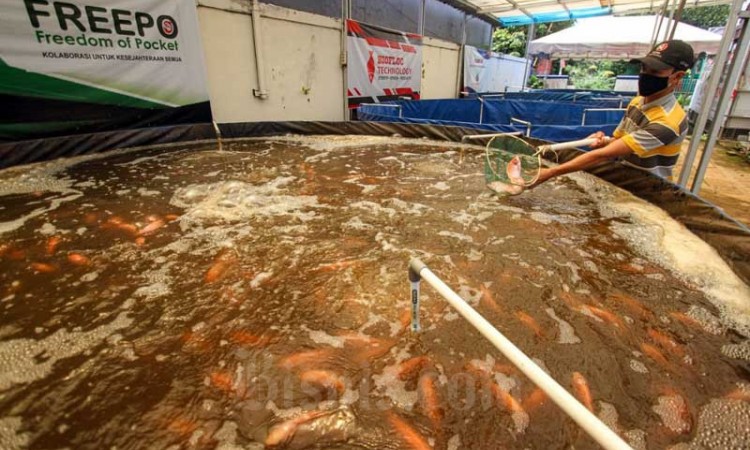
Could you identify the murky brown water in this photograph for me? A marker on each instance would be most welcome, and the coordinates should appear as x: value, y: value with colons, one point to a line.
x: 204, y: 299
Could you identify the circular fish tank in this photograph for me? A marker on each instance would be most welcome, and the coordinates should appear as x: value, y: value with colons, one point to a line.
x: 257, y: 297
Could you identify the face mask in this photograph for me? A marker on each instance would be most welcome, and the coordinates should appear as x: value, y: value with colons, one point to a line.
x: 651, y: 84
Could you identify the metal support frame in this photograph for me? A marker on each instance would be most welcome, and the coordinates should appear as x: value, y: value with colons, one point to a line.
x: 522, y: 122
x: 344, y: 59
x: 583, y: 116
x: 381, y: 105
x: 481, y: 104
x: 730, y: 81
x: 470, y: 137
x: 261, y: 91
x: 677, y: 18
x: 709, y: 95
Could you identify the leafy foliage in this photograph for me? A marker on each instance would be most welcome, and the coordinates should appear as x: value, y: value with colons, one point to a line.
x: 512, y: 40
x: 706, y: 16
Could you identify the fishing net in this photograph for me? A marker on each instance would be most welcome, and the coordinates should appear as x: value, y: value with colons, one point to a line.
x: 498, y: 166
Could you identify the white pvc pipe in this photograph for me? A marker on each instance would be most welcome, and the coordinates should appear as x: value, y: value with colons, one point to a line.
x: 261, y: 92
x: 582, y: 416
x: 567, y: 145
x: 482, y: 136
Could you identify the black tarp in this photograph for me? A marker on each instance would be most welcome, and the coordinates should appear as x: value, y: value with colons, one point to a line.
x: 730, y: 238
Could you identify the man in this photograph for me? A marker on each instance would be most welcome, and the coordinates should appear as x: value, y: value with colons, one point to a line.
x: 654, y: 126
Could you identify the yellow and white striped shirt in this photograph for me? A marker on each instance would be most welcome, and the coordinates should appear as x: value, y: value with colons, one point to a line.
x: 654, y: 132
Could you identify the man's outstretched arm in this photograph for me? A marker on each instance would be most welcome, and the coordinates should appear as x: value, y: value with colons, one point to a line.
x: 612, y: 150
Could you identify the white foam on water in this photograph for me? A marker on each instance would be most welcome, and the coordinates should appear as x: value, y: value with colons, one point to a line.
x: 373, y: 208
x: 385, y: 244
x: 355, y: 223
x: 11, y: 436
x: 321, y: 337
x: 737, y: 351
x: 143, y: 192
x: 454, y: 443
x: 416, y: 209
x: 234, y: 201
x: 723, y: 424
x: 608, y: 414
x: 546, y: 219
x: 469, y: 294
x: 459, y: 236
x: 55, y: 203
x: 389, y: 383
x: 18, y: 363
x: 441, y: 186
x: 48, y: 229
x: 638, y: 366
x: 567, y: 332
x: 668, y: 409
x: 474, y: 255
x: 663, y: 240
x: 710, y: 323
x: 636, y: 439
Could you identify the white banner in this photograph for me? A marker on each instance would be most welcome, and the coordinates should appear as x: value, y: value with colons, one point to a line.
x: 487, y: 72
x: 383, y: 64
x: 147, y: 50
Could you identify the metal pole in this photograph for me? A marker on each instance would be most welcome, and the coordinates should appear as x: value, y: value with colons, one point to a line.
x: 657, y: 23
x: 572, y: 407
x: 677, y: 18
x: 671, y: 24
x: 723, y: 107
x: 709, y: 94
x: 528, y: 64
x: 344, y: 59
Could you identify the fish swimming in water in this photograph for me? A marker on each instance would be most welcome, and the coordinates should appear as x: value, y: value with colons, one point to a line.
x: 654, y: 353
x: 52, y: 244
x: 284, y: 432
x: 305, y: 358
x: 488, y: 301
x: 412, y: 367
x: 151, y: 227
x: 535, y: 400
x: 530, y: 322
x: 430, y: 400
x: 582, y: 390
x: 78, y: 259
x: 409, y: 436
x: 323, y: 381
x: 607, y: 316
x: 666, y: 342
x: 43, y: 267
x: 632, y: 304
x: 223, y: 262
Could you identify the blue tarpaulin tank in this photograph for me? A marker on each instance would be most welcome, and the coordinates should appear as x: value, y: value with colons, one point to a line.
x: 540, y: 114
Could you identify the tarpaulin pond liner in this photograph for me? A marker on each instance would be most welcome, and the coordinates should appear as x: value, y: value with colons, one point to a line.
x: 548, y: 120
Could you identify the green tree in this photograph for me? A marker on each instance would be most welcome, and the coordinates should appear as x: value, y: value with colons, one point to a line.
x: 512, y: 40
x: 706, y: 16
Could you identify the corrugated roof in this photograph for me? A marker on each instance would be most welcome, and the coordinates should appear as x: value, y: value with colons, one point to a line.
x: 524, y: 12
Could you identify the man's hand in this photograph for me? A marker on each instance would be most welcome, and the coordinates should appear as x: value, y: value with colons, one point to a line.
x: 544, y: 175
x: 601, y: 139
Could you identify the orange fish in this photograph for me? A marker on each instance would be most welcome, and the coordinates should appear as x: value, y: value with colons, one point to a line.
x: 632, y: 304
x: 685, y: 319
x: 536, y: 399
x: 171, y: 217
x: 582, y: 391
x: 223, y: 381
x: 739, y: 394
x: 249, y: 339
x: 430, y: 400
x: 78, y: 259
x: 280, y: 434
x: 530, y: 323
x: 488, y: 301
x: 666, y: 342
x: 52, y: 244
x: 182, y: 426
x: 305, y: 358
x: 607, y: 316
x: 569, y: 299
x: 372, y: 349
x: 151, y: 227
x: 506, y: 399
x: 140, y: 241
x: 323, y: 380
x: 43, y: 267
x: 412, y: 367
x: 223, y: 262
x: 653, y: 353
x: 408, y: 435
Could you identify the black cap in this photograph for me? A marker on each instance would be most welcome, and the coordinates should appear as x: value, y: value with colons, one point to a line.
x: 673, y: 54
